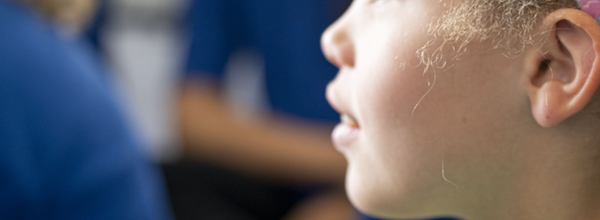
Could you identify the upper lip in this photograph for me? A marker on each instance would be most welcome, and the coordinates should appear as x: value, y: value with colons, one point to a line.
x: 346, y: 117
x: 349, y: 121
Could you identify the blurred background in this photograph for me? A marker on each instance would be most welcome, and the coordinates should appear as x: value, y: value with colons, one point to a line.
x: 229, y: 96
x: 144, y: 44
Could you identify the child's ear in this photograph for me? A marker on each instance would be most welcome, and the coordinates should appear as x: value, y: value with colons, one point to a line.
x: 562, y: 81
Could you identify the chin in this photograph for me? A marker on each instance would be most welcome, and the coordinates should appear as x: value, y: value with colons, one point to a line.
x: 385, y: 197
x: 369, y: 196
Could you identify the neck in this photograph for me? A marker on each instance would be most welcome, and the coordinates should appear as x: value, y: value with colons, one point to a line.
x: 560, y: 181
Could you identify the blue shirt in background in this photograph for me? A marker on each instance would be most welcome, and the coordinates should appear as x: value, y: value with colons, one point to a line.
x: 287, y: 35
x: 65, y: 150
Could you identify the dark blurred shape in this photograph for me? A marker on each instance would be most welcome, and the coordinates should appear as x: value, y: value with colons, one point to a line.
x: 65, y: 149
x: 93, y: 31
x: 205, y: 191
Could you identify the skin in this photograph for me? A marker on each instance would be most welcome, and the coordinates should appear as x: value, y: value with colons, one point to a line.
x: 490, y: 137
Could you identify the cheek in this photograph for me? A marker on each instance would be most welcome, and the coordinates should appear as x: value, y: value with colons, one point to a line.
x: 391, y: 167
x: 387, y: 100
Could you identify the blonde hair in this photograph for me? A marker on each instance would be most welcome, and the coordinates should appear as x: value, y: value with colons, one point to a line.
x: 508, y: 24
x: 72, y: 13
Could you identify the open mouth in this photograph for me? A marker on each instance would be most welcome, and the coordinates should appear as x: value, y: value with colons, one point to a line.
x: 346, y: 132
x: 349, y: 121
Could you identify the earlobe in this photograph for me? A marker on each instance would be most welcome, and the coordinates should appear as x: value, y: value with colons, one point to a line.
x: 565, y: 78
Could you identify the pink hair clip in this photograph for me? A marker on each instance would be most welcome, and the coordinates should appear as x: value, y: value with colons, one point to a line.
x: 592, y: 7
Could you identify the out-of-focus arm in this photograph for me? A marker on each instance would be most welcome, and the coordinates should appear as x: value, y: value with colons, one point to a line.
x: 271, y: 147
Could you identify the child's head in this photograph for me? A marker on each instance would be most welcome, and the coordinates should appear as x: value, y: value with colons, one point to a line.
x: 466, y: 107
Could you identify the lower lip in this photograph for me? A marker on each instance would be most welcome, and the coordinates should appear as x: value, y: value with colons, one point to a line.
x: 343, y: 135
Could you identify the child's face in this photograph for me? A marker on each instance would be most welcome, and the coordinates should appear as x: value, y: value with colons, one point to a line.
x: 398, y: 133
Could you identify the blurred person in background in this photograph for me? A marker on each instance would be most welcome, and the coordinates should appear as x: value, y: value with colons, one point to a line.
x: 65, y: 149
x: 276, y: 165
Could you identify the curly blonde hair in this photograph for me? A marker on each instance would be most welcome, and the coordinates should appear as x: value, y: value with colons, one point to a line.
x: 508, y: 24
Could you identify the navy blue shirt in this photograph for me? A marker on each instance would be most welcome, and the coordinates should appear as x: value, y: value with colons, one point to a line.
x: 65, y: 150
x: 287, y: 34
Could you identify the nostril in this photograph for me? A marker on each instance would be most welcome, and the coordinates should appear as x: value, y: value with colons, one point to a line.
x: 347, y: 55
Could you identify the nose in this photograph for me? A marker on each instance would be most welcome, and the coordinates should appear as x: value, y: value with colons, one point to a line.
x: 337, y: 44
